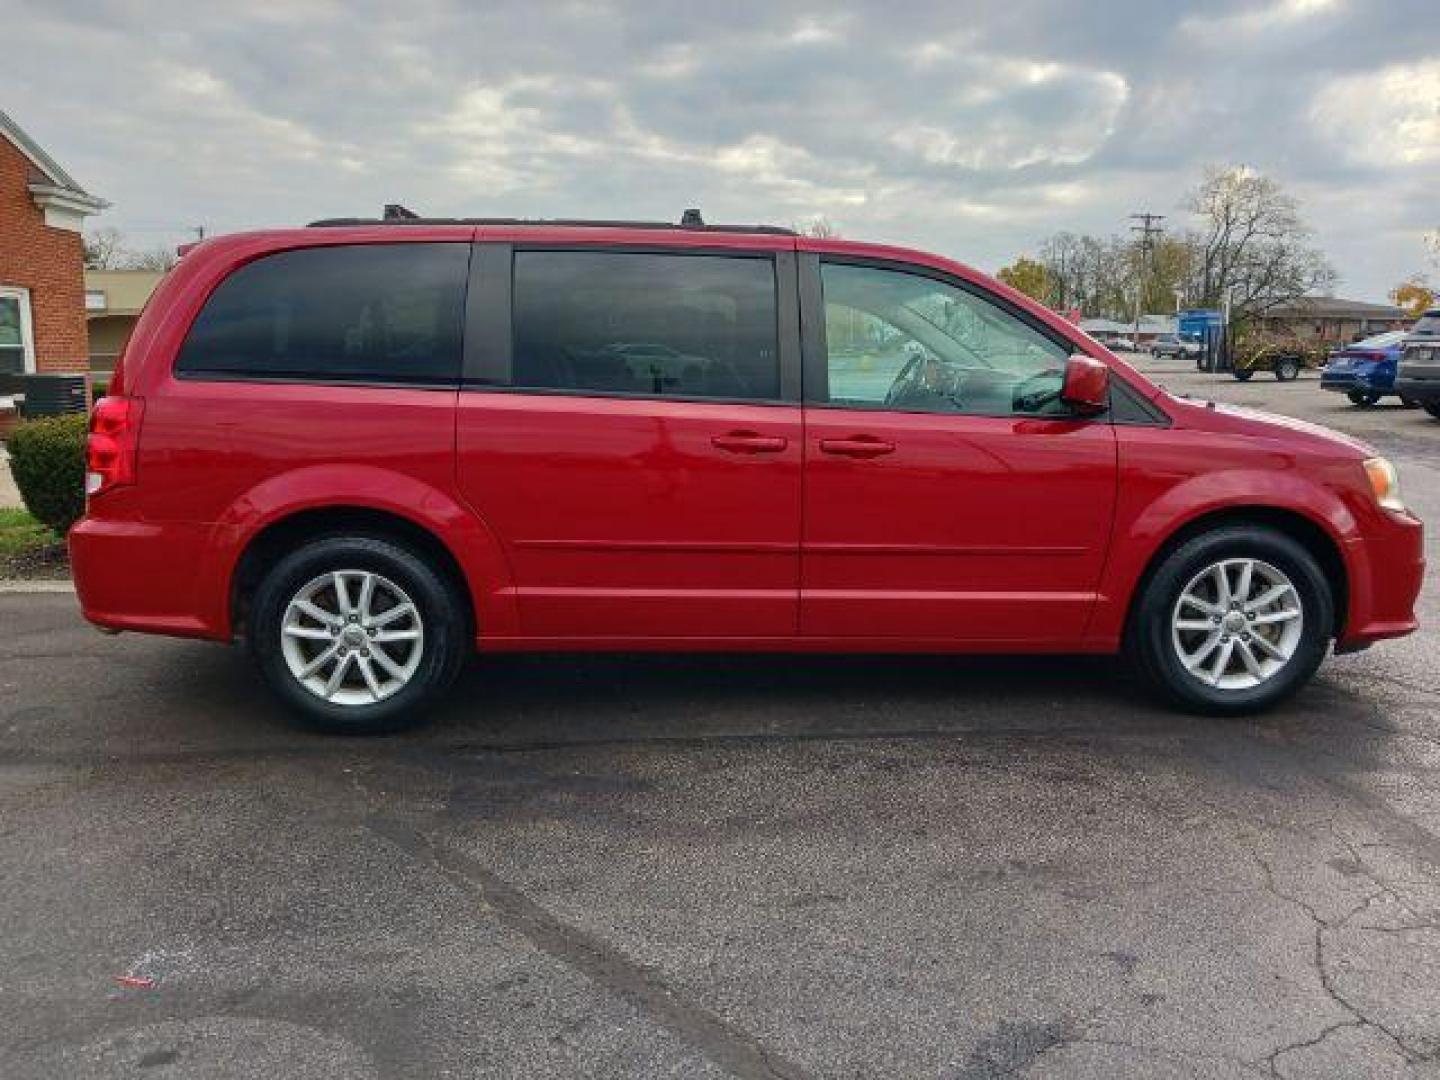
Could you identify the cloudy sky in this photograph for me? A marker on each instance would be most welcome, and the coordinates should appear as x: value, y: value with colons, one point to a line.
x: 971, y: 128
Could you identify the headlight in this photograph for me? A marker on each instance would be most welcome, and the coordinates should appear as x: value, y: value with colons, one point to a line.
x: 1385, y: 483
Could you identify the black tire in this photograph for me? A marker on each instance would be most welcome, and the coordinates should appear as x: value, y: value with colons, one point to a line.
x: 1432, y: 407
x: 441, y: 611
x: 1363, y: 398
x: 1243, y: 374
x: 1149, y: 641
x: 1287, y: 369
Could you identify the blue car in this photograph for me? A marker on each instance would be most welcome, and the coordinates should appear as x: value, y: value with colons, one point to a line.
x: 1365, y: 371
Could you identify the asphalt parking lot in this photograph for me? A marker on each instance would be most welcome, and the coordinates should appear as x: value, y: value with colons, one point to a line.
x: 710, y: 866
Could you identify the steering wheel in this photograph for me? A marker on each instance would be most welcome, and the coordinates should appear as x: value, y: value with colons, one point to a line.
x: 903, y: 381
x: 1032, y: 399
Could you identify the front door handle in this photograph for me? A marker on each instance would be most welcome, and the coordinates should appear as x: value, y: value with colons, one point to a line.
x: 749, y: 442
x: 861, y: 446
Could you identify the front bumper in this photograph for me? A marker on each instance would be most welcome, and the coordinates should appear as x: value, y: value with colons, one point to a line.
x: 1387, y: 569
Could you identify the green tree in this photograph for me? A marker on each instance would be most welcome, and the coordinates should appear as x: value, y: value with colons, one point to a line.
x: 1028, y: 276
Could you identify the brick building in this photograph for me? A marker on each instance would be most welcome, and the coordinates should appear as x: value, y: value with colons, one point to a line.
x: 42, y: 264
x: 1328, y: 319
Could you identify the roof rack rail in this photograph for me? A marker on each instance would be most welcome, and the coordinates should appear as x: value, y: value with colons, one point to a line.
x: 395, y: 214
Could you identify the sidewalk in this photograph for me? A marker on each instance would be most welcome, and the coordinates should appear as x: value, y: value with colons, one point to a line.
x: 9, y: 494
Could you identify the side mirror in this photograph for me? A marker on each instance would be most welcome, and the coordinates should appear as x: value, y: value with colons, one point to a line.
x: 1087, y: 385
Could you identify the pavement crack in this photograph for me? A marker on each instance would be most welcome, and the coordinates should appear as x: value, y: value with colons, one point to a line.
x: 1272, y: 1060
x: 722, y: 1042
x: 1327, y: 983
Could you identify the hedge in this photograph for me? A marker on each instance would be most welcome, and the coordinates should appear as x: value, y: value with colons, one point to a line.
x: 47, y: 459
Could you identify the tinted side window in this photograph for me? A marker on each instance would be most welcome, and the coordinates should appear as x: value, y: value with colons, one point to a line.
x: 387, y: 312
x: 700, y: 326
x: 912, y: 343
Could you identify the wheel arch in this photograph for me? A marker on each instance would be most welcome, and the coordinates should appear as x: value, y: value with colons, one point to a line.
x: 1300, y: 527
x: 287, y: 532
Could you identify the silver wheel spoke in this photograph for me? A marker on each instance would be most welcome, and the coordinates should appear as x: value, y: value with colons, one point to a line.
x: 382, y: 658
x: 1222, y: 585
x: 367, y: 669
x: 1247, y: 574
x: 320, y: 660
x: 342, y: 595
x: 1222, y: 661
x: 316, y: 613
x: 1247, y: 657
x: 399, y: 611
x: 309, y: 633
x: 367, y: 592
x: 1194, y: 624
x: 1268, y: 648
x: 396, y: 635
x: 1269, y: 597
x: 1272, y: 617
x: 1200, y: 605
x: 1195, y: 659
x: 337, y: 676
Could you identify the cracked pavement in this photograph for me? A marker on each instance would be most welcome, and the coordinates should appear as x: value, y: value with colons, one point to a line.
x: 724, y: 866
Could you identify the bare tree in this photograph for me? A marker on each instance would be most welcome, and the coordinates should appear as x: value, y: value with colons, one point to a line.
x: 1251, y: 245
x: 156, y: 258
x: 818, y: 227
x: 103, y: 249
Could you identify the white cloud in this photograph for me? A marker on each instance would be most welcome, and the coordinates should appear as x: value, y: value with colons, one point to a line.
x: 1264, y: 19
x: 1384, y: 118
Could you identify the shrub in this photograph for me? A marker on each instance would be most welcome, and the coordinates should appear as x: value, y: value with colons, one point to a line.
x: 47, y: 458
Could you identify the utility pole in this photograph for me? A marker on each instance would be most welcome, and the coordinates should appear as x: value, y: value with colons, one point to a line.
x: 1146, y: 231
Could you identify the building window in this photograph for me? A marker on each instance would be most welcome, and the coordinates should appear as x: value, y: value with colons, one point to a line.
x: 17, y: 341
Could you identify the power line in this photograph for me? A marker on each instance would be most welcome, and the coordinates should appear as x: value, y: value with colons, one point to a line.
x: 1148, y: 229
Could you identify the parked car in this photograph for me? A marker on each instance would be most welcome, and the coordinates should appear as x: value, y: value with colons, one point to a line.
x: 1121, y: 343
x: 1418, y: 374
x: 1282, y: 355
x: 1365, y: 371
x: 368, y: 448
x: 1179, y: 346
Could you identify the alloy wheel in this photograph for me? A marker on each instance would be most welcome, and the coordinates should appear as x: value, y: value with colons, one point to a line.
x: 1237, y: 624
x: 352, y: 637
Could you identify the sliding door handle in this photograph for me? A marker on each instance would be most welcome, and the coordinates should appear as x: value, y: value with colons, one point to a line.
x: 861, y: 446
x: 749, y: 442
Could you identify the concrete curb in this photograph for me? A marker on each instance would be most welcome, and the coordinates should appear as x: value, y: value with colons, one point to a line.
x: 41, y: 585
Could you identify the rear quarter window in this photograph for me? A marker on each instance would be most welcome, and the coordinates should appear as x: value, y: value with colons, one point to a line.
x: 358, y: 313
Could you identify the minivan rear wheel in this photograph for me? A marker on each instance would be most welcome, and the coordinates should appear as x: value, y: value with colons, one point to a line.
x: 1232, y: 621
x: 357, y: 634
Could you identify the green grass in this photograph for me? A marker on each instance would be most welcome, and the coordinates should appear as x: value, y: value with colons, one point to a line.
x: 20, y: 533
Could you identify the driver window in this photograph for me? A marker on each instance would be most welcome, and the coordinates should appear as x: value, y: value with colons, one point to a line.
x: 908, y: 342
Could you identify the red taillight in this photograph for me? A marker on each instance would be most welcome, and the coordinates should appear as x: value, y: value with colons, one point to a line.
x: 110, y: 447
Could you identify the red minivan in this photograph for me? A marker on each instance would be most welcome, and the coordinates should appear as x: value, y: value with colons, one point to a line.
x: 367, y: 447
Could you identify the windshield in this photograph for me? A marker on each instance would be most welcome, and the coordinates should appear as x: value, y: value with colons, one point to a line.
x: 1428, y: 324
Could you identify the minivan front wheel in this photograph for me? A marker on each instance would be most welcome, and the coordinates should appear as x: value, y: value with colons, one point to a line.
x: 357, y: 634
x: 1233, y: 621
